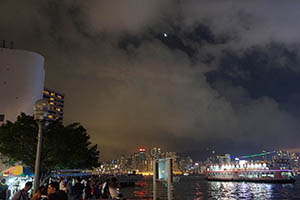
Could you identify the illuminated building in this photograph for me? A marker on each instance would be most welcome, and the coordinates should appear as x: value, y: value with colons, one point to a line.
x: 142, y: 154
x: 22, y: 77
x: 155, y: 152
x: 56, y: 101
x: 135, y: 160
x: 185, y: 164
x: 175, y: 160
x: 143, y: 162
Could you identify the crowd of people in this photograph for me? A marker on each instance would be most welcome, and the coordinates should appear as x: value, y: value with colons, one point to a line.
x: 67, y: 189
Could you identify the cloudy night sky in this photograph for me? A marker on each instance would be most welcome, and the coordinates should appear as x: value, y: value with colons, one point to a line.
x: 186, y: 75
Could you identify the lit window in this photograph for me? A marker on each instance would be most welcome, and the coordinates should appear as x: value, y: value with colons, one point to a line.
x: 46, y: 92
x: 59, y: 96
x: 51, y: 108
x: 50, y: 116
x: 58, y: 109
x: 52, y: 94
x: 52, y: 99
x: 51, y: 103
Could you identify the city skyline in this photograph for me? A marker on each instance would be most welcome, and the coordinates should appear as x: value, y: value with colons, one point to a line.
x: 188, y: 76
x: 141, y: 161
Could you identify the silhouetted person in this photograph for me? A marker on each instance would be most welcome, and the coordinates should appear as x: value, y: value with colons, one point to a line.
x: 88, y: 190
x: 53, y: 187
x: 77, y: 190
x: 114, y: 188
x: 23, y: 194
x: 43, y: 192
x: 4, y: 194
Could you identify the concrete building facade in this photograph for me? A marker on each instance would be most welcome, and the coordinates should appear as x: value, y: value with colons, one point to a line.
x: 22, y: 77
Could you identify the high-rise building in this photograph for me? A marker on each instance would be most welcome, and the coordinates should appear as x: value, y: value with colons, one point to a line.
x: 56, y: 101
x: 142, y: 154
x: 175, y: 160
x: 135, y: 161
x: 22, y: 77
x: 185, y: 164
x: 155, y: 152
x: 143, y: 161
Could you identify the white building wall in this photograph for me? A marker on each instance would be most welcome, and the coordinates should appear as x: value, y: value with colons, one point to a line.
x: 22, y: 76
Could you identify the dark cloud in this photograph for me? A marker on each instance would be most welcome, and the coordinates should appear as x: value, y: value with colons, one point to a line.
x: 248, y: 22
x: 209, y: 84
x: 271, y: 70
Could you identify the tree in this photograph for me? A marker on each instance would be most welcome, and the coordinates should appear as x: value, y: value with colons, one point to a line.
x: 64, y: 147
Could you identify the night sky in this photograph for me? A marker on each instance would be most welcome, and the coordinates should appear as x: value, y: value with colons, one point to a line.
x: 189, y: 76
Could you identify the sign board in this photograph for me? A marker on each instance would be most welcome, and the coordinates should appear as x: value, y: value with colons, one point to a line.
x: 162, y: 171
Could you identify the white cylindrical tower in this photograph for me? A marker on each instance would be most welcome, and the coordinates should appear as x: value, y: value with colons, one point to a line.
x: 22, y: 76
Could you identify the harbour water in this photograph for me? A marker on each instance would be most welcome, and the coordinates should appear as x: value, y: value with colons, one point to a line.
x: 197, y: 188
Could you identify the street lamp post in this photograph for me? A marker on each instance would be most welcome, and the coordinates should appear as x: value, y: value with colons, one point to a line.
x: 41, y: 108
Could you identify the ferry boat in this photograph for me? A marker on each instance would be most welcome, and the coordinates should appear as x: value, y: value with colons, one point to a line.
x: 254, y: 171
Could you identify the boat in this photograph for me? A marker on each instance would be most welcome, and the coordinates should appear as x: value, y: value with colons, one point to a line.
x: 253, y: 171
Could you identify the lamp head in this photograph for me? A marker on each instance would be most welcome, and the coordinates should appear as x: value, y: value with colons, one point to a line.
x: 41, y: 108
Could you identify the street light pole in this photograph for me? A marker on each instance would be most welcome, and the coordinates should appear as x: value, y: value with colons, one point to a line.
x: 41, y: 108
x: 38, y: 156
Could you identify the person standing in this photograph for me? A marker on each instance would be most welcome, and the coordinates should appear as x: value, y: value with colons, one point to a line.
x: 37, y: 195
x: 88, y: 191
x: 23, y: 194
x: 77, y: 190
x: 4, y: 194
x: 69, y: 186
x: 114, y: 188
x: 43, y: 193
x: 62, y: 184
x: 104, y: 189
x: 53, y: 187
x: 97, y: 191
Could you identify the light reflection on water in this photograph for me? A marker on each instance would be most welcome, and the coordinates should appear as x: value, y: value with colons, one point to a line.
x: 236, y: 190
x: 196, y: 188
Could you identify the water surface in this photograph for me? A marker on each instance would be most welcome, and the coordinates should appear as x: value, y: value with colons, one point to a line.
x: 196, y: 187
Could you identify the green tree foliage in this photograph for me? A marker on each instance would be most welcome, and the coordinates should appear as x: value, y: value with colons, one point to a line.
x: 64, y: 147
